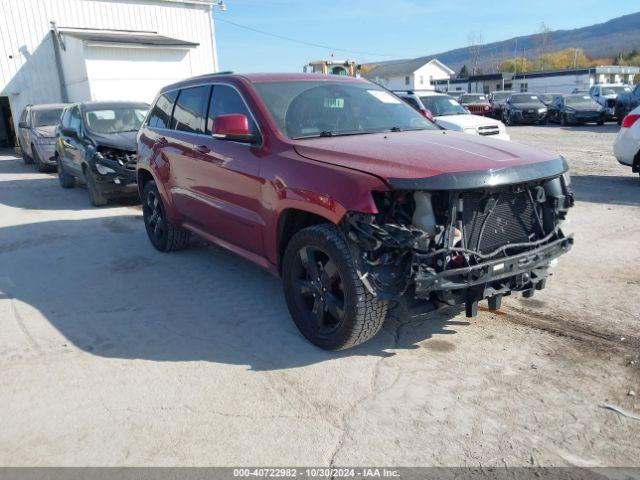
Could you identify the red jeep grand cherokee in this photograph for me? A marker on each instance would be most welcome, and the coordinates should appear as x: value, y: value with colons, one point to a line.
x: 349, y: 195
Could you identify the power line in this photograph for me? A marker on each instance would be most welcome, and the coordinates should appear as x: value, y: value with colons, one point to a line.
x: 302, y: 42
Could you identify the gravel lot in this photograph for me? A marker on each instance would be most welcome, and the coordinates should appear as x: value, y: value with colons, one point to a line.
x: 114, y: 354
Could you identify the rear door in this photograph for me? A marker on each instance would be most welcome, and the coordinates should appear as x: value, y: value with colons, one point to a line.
x: 23, y: 132
x: 227, y: 181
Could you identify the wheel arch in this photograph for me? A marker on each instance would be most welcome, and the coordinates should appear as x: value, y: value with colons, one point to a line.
x: 290, y: 221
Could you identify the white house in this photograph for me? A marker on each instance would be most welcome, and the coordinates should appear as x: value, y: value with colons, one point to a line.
x: 417, y: 74
x: 78, y: 50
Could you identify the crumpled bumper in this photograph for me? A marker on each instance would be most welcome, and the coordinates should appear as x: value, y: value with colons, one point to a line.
x: 517, y: 272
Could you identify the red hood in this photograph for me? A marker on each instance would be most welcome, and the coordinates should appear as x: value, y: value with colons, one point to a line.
x: 419, y: 154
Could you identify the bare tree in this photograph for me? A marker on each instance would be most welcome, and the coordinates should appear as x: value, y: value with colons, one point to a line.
x: 543, y: 42
x: 475, y: 40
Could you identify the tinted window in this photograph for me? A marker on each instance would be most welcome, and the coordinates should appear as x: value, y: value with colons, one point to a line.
x: 23, y: 117
x: 226, y: 100
x: 412, y: 102
x: 190, y: 110
x: 161, y: 114
x: 74, y: 119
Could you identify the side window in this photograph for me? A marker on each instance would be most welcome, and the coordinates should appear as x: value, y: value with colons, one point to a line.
x: 161, y: 113
x: 226, y: 100
x: 23, y: 116
x: 74, y: 119
x: 190, y: 110
x: 64, y: 123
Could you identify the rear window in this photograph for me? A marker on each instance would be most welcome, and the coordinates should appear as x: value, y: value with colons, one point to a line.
x: 191, y: 109
x: 160, y: 116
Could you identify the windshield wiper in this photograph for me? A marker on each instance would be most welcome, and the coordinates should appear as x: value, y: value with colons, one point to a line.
x: 326, y: 133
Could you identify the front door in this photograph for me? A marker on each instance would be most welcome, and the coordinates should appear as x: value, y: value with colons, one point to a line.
x: 227, y: 179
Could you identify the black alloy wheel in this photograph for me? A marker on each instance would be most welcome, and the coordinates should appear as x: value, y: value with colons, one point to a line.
x: 162, y: 233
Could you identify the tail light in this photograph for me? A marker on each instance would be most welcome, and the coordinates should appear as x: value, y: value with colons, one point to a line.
x: 629, y: 120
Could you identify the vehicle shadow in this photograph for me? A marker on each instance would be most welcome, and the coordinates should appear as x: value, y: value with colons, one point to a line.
x: 609, y: 127
x: 104, y: 288
x: 32, y: 190
x: 615, y: 190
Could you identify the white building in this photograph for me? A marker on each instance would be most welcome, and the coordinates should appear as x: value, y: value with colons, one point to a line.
x: 415, y: 74
x: 99, y: 49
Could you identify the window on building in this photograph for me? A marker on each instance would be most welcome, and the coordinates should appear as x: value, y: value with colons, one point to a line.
x: 524, y: 87
x: 431, y: 80
x: 160, y: 116
x: 407, y: 80
x: 190, y: 109
x: 421, y: 80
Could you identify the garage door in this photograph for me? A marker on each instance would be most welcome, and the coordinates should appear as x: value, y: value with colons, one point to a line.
x: 134, y: 73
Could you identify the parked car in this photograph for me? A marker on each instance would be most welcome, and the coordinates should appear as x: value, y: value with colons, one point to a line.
x: 548, y: 98
x: 37, y: 134
x: 606, y: 96
x: 625, y: 102
x: 97, y: 145
x: 524, y: 108
x: 477, y: 104
x: 576, y: 109
x: 449, y: 114
x: 497, y: 100
x: 626, y: 147
x: 350, y: 195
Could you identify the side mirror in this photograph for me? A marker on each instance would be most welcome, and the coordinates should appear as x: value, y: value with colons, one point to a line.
x: 69, y: 132
x: 23, y: 125
x: 427, y: 113
x: 234, y: 127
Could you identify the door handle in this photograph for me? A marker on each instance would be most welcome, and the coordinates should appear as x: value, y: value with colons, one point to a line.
x: 202, y: 149
x: 162, y: 141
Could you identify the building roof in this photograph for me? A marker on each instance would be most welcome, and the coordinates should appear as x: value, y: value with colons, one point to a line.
x: 402, y: 68
x: 127, y: 36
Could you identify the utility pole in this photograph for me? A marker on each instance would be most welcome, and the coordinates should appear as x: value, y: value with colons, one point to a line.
x: 515, y: 60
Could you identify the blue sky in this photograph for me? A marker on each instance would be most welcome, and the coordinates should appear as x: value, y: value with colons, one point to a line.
x: 385, y: 29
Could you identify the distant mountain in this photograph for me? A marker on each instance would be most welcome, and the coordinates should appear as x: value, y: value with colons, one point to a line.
x: 601, y: 40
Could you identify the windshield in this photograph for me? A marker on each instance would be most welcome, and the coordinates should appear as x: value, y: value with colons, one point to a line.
x: 525, y: 98
x: 548, y: 97
x: 615, y: 90
x: 500, y: 96
x: 579, y: 100
x: 441, y: 105
x: 323, y: 108
x: 42, y: 118
x: 115, y: 120
x: 473, y: 99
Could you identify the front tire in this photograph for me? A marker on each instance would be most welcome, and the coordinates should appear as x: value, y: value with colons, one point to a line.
x: 563, y: 120
x: 163, y: 234
x: 97, y: 197
x: 66, y: 180
x: 26, y: 158
x: 326, y: 298
x: 36, y: 159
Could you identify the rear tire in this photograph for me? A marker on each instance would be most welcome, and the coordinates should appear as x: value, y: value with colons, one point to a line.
x: 98, y: 199
x: 326, y: 299
x: 563, y: 120
x: 66, y: 180
x: 163, y: 234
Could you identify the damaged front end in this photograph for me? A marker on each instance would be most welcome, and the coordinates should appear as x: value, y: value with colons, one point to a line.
x: 113, y: 165
x: 458, y: 246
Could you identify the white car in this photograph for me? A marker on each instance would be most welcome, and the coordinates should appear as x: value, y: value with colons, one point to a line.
x: 606, y: 96
x: 449, y: 114
x: 626, y: 148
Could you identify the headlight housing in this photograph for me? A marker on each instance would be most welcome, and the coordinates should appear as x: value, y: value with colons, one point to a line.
x: 103, y: 169
x: 46, y: 140
x: 542, y: 110
x: 472, y: 131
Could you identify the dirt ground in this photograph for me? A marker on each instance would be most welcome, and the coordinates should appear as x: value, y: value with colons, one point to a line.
x: 112, y: 353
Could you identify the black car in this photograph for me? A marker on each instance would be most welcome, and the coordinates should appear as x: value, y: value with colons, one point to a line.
x: 627, y: 102
x: 497, y: 100
x: 97, y: 145
x: 576, y: 109
x: 524, y: 108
